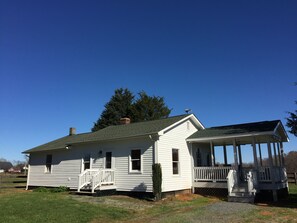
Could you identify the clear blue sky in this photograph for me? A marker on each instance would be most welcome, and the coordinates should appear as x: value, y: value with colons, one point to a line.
x: 60, y: 62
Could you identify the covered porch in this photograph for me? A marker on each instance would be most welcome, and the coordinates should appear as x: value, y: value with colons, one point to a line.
x: 251, y: 158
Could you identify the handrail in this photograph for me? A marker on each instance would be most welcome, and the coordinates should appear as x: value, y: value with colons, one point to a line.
x: 95, y: 178
x: 85, y: 178
x: 231, y: 180
x: 252, y: 182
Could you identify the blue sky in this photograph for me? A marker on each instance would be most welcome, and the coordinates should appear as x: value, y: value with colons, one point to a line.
x: 60, y: 62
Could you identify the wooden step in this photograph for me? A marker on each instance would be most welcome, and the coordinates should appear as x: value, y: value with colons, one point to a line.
x: 84, y: 192
x: 107, y: 187
x: 242, y: 199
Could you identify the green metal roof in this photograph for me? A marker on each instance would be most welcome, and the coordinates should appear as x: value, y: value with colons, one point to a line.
x: 239, y: 129
x: 111, y: 133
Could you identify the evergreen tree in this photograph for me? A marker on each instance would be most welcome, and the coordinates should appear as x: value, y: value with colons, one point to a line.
x: 119, y: 106
x: 147, y: 108
x: 122, y: 104
x: 292, y: 123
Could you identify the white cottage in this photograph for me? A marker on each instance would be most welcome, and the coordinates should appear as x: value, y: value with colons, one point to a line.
x: 121, y: 157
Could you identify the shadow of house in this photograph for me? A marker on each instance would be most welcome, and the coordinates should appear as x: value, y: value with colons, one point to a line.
x: 140, y: 188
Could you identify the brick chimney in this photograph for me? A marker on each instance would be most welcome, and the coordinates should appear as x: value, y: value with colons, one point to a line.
x: 72, y: 131
x: 125, y: 121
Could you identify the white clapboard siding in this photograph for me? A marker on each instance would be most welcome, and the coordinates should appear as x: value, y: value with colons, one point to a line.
x: 67, y: 164
x: 126, y: 181
x: 176, y: 139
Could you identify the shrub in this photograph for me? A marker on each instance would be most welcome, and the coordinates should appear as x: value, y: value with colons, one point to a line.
x: 157, y: 181
x: 42, y: 189
x: 59, y: 189
x: 51, y: 190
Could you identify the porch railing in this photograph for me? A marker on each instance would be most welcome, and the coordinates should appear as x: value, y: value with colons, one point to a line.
x: 211, y: 173
x: 96, y: 178
x: 85, y: 178
x: 103, y: 177
x: 266, y: 174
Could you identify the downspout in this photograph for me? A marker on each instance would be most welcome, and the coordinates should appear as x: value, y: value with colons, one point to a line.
x: 155, y: 150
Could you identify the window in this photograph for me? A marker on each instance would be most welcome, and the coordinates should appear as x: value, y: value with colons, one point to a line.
x: 108, y: 160
x: 175, y: 161
x: 87, y: 162
x: 135, y: 160
x: 48, y: 163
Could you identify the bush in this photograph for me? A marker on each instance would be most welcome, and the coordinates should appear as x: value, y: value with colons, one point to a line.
x: 59, y: 189
x: 42, y: 189
x: 157, y: 181
x: 51, y: 190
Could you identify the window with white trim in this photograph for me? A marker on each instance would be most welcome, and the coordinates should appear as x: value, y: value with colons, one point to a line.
x: 48, y: 163
x: 135, y: 160
x: 175, y: 161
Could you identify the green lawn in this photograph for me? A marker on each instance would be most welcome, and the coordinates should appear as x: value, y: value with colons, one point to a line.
x: 18, y: 205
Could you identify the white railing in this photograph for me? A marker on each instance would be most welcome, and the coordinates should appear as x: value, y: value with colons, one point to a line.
x: 211, y: 173
x: 95, y: 178
x: 103, y: 177
x: 283, y: 174
x: 252, y: 182
x: 264, y: 174
x: 231, y: 180
x: 85, y: 178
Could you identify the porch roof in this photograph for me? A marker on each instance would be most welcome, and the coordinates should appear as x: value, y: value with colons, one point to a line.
x: 247, y: 130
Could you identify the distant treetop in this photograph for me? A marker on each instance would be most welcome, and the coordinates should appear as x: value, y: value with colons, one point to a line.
x: 123, y: 104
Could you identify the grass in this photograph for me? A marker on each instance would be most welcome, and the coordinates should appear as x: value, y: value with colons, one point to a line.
x: 18, y: 205
x: 53, y: 207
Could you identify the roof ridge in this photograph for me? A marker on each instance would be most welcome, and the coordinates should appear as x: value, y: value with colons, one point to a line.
x: 146, y: 121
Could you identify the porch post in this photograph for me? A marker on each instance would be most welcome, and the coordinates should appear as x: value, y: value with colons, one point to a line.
x: 212, y: 153
x: 275, y: 155
x: 279, y: 155
x: 225, y: 156
x: 260, y: 154
x: 235, y: 159
x: 192, y: 166
x: 255, y: 154
x: 239, y: 154
x: 282, y: 153
x: 272, y: 172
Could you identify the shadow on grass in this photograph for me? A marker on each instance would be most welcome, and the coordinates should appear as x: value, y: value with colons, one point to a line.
x: 285, y: 200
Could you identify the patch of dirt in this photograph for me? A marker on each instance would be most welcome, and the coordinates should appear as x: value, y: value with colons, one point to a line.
x: 187, y: 197
x: 120, y: 201
x: 266, y: 213
x: 13, y: 191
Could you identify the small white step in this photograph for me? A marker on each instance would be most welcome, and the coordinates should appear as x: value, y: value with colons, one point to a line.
x: 106, y: 187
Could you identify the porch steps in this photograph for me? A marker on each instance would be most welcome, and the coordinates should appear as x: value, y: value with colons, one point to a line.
x: 242, y: 199
x: 241, y: 195
x: 87, y: 190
